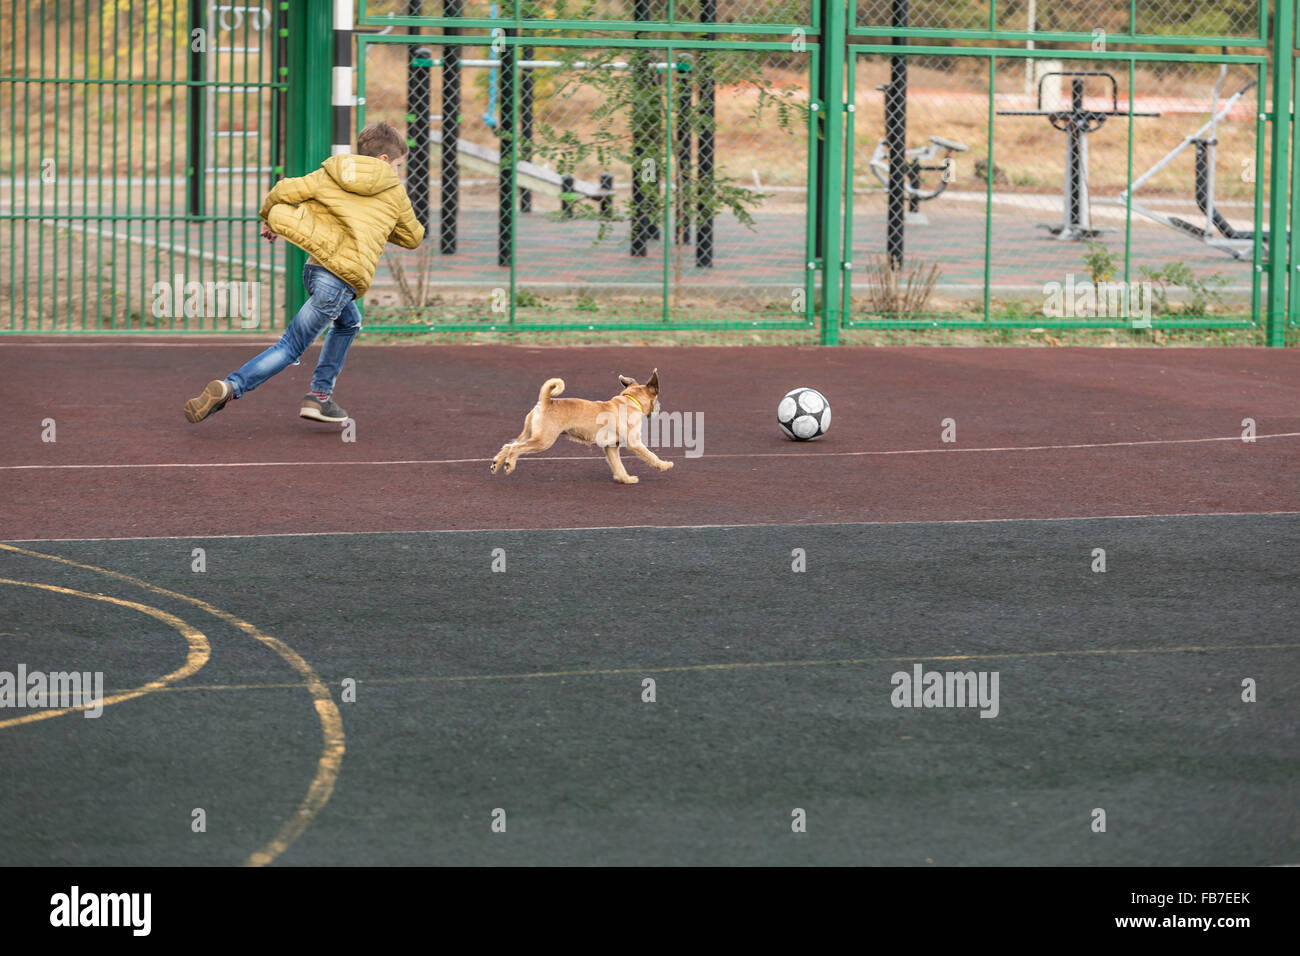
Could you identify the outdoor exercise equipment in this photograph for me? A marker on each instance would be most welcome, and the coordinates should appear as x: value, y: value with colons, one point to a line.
x: 1077, y: 123
x: 913, y: 188
x: 1215, y: 231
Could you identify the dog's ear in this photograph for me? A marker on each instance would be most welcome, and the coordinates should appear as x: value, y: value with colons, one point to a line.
x: 626, y: 380
x: 653, y: 382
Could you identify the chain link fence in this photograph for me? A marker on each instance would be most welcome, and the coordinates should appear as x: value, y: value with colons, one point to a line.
x: 1100, y: 193
x: 586, y: 187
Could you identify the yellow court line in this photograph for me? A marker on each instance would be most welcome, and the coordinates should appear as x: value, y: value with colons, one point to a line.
x: 199, y: 653
x: 327, y: 712
x: 756, y: 665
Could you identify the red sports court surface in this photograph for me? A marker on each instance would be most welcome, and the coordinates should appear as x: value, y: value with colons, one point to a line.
x: 1040, y: 433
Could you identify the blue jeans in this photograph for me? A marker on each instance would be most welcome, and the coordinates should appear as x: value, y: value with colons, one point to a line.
x: 331, y: 301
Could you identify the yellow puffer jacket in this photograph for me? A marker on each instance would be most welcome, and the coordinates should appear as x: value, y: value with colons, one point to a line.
x: 343, y: 214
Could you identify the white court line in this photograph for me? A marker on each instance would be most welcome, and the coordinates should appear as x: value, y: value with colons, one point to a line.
x: 740, y: 454
x: 672, y: 527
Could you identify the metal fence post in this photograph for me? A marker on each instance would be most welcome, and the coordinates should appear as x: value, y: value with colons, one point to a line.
x: 1279, y: 253
x: 1293, y: 209
x: 311, y: 44
x: 830, y: 158
x: 198, y: 133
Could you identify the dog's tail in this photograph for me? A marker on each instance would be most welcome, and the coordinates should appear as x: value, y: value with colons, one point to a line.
x: 553, y: 386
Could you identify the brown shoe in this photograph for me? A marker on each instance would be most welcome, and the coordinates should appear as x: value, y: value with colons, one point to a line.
x: 211, y: 400
x: 321, y: 411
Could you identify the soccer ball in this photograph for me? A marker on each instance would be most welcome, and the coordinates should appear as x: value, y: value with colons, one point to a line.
x: 804, y: 414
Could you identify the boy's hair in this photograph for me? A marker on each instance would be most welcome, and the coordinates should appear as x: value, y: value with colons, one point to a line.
x: 380, y: 139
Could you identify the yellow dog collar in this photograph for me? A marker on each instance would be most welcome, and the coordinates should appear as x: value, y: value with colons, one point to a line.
x: 634, y: 402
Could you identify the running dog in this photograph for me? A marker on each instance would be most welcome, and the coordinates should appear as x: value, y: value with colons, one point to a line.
x: 603, y: 424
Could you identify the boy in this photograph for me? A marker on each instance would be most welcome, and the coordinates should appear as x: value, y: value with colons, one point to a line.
x: 342, y: 215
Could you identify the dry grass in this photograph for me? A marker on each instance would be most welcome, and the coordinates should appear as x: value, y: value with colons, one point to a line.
x: 895, y: 293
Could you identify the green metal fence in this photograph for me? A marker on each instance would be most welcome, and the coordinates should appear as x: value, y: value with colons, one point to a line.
x: 961, y: 171
x: 1039, y: 228
x: 138, y: 139
x: 679, y: 239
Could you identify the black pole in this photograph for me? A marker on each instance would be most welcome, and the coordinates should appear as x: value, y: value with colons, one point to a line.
x: 642, y: 76
x: 526, y: 123
x: 705, y: 145
x: 683, y: 80
x: 566, y: 196
x: 505, y: 179
x: 896, y: 141
x: 198, y: 135
x: 607, y: 197
x: 419, y: 119
x: 1074, y: 180
x: 656, y: 148
x: 450, y: 185
x: 1202, y: 174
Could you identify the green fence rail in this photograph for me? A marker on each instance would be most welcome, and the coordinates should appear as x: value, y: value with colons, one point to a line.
x: 962, y: 171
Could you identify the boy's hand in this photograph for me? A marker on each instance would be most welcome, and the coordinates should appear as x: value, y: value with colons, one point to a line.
x: 267, y: 234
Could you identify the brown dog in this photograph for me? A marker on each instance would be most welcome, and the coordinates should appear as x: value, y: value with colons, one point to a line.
x: 604, y: 424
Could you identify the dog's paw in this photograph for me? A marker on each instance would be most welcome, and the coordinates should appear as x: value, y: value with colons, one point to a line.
x: 629, y: 480
x: 493, y: 467
x: 510, y: 466
x: 664, y: 466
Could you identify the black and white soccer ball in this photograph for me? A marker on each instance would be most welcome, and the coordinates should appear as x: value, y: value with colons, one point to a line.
x: 804, y: 414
